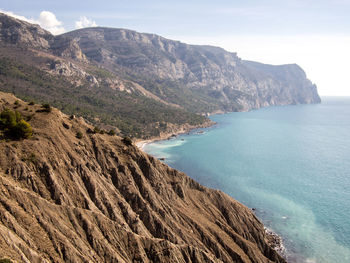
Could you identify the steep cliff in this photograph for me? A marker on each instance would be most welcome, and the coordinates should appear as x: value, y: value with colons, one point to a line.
x: 215, y: 73
x: 142, y: 83
x: 97, y: 199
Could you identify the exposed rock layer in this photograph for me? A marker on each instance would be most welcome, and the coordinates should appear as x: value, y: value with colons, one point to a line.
x: 197, y: 78
x: 95, y: 199
x: 220, y: 75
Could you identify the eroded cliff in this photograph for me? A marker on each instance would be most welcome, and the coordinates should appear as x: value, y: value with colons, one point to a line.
x: 97, y: 199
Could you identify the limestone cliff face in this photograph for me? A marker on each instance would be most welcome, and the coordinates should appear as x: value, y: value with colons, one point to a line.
x: 221, y: 75
x: 197, y: 78
x: 96, y: 199
x: 291, y: 87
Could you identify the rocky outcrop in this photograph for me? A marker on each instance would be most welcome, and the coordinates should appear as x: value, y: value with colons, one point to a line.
x: 200, y: 79
x: 292, y: 87
x: 96, y: 199
x: 67, y: 48
x: 220, y: 75
x: 69, y: 69
x: 18, y: 32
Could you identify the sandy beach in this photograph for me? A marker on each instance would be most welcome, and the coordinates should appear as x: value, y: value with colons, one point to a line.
x: 173, y: 133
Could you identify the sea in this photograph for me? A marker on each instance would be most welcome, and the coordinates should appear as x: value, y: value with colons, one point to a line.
x: 290, y: 164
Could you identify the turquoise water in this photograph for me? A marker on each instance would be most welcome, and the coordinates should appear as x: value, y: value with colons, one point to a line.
x: 291, y: 163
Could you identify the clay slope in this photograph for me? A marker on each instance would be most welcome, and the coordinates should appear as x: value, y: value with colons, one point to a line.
x: 96, y: 199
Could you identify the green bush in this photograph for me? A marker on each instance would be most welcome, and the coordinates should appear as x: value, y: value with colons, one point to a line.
x: 79, y: 135
x: 111, y: 132
x: 46, y: 107
x: 13, y: 126
x: 127, y: 140
x: 5, y: 260
x: 31, y: 103
x: 97, y: 129
x: 8, y: 119
x: 23, y: 129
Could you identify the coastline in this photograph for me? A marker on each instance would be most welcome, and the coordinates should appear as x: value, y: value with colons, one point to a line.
x: 276, y: 242
x: 182, y: 129
x: 273, y: 239
x: 173, y: 132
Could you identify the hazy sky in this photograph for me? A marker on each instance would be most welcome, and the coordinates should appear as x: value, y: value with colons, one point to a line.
x: 313, y: 34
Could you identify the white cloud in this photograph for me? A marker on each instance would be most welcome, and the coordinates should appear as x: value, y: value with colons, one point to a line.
x: 46, y: 20
x: 49, y: 21
x: 84, y: 22
x: 9, y: 13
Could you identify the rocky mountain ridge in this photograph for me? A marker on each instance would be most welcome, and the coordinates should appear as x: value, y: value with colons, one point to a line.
x: 221, y: 75
x: 95, y: 198
x: 162, y: 75
x: 18, y: 32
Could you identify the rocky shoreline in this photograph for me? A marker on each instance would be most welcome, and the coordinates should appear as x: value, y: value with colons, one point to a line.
x: 276, y: 242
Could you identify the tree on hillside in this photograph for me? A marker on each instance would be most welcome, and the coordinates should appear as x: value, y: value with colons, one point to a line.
x: 13, y: 126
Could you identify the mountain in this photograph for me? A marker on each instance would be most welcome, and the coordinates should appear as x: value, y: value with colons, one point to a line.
x: 219, y: 75
x: 97, y: 198
x: 143, y: 84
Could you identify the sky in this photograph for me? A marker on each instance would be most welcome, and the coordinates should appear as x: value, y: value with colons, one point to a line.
x: 315, y: 34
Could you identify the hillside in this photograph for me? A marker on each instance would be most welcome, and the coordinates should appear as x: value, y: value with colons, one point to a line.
x: 168, y: 68
x: 97, y: 199
x: 142, y: 84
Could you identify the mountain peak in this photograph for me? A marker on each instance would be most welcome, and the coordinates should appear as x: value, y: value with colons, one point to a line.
x: 18, y: 32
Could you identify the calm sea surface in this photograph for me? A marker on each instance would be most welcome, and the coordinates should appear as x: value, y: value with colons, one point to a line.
x: 291, y: 163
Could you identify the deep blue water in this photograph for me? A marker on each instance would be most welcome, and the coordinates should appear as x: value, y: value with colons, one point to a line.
x: 291, y: 163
